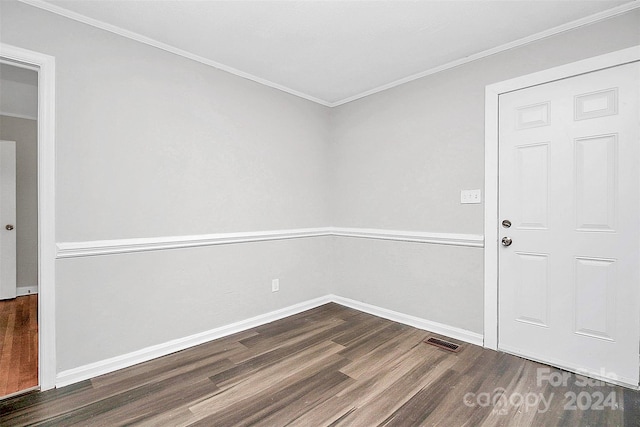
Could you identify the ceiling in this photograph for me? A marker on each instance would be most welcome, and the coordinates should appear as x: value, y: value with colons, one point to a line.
x: 332, y: 52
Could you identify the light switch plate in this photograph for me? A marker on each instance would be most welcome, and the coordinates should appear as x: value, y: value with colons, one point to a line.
x: 470, y: 196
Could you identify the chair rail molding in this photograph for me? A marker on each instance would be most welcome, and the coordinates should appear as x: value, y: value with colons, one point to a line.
x: 122, y: 246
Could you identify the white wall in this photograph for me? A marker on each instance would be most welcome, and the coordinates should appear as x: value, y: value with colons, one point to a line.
x: 25, y: 133
x: 399, y: 159
x: 151, y: 144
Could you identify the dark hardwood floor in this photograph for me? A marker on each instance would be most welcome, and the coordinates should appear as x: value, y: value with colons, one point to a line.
x: 330, y: 366
x: 18, y: 344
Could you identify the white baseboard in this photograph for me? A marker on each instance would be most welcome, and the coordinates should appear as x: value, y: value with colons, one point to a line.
x: 416, y: 322
x: 26, y: 290
x: 102, y: 367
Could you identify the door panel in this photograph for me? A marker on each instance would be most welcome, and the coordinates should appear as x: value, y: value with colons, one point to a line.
x: 532, y: 179
x: 595, y: 290
x: 7, y: 217
x: 596, y: 183
x: 532, y: 288
x: 569, y: 285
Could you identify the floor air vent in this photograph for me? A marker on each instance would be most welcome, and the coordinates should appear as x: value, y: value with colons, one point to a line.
x: 445, y: 345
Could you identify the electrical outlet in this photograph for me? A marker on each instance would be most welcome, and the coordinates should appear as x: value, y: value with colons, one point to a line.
x: 275, y: 285
x: 470, y: 196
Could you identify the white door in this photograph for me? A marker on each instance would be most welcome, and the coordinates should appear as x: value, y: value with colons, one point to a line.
x: 569, y: 285
x: 7, y: 219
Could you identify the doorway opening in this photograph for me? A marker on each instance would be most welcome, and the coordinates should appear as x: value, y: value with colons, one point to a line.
x: 28, y: 81
x: 18, y: 229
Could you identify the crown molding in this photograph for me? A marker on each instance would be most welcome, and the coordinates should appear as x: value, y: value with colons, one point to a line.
x: 166, y: 47
x: 600, y: 16
x: 591, y: 19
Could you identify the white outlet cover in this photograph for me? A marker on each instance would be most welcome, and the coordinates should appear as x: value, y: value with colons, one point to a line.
x: 470, y: 196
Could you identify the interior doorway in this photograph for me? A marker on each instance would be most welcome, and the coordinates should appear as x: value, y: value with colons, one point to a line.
x: 18, y: 229
x: 46, y: 69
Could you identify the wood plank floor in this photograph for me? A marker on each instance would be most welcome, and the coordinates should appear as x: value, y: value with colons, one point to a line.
x: 18, y: 344
x: 330, y: 366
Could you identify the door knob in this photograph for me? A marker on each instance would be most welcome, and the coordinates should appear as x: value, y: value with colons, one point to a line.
x: 506, y: 241
x: 9, y: 227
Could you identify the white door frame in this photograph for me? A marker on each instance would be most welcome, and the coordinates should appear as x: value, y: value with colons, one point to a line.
x: 492, y: 92
x: 45, y: 65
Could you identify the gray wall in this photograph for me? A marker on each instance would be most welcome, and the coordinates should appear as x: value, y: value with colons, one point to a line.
x: 115, y: 304
x: 19, y: 94
x: 399, y: 159
x: 152, y: 144
x: 25, y: 133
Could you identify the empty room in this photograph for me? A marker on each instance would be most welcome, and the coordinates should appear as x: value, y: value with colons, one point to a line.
x: 320, y: 213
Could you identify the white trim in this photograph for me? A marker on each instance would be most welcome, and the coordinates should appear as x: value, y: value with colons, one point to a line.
x: 591, y: 19
x: 22, y: 65
x: 177, y: 51
x: 416, y: 322
x: 17, y: 116
x: 26, y: 290
x: 106, y: 247
x: 491, y: 219
x: 166, y: 47
x: 470, y: 240
x: 120, y: 246
x: 492, y: 93
x: 46, y: 205
x: 102, y: 367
